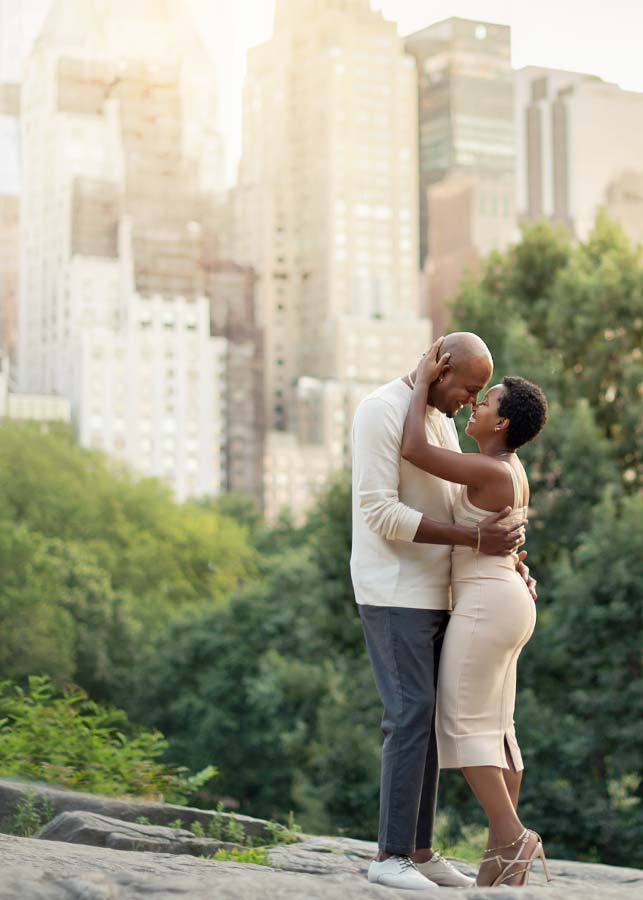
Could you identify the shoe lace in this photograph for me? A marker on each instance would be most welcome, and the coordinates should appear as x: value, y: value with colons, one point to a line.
x: 406, y: 863
x: 437, y: 857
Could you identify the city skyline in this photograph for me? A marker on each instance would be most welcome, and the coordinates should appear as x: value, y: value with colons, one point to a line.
x: 326, y: 214
x: 316, y: 278
x: 576, y: 36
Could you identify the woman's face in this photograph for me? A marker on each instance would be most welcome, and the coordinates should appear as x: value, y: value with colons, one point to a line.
x: 484, y: 418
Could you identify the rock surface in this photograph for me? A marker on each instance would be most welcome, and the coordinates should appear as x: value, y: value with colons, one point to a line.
x: 102, y: 831
x: 316, y: 869
x: 79, y: 856
x: 13, y: 792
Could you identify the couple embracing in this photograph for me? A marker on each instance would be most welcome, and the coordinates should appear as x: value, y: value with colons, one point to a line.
x: 446, y: 602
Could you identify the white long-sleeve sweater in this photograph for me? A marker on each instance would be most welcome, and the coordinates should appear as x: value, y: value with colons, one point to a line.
x: 390, y: 496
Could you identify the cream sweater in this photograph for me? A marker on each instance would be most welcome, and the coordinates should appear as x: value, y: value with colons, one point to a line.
x: 390, y: 496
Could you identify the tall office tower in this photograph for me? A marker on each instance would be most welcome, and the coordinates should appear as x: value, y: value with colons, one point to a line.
x: 466, y: 151
x: 233, y: 316
x: 327, y: 210
x: 20, y: 22
x: 9, y: 212
x: 580, y: 144
x: 120, y: 162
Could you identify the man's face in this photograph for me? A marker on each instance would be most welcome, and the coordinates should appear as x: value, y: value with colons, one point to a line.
x: 460, y: 385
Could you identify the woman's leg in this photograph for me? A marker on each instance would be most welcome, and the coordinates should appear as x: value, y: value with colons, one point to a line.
x: 513, y: 779
x: 489, y: 786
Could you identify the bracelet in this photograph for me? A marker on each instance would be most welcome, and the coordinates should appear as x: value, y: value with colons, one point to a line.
x: 477, y: 550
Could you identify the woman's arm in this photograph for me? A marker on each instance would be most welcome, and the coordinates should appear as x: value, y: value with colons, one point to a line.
x: 462, y: 468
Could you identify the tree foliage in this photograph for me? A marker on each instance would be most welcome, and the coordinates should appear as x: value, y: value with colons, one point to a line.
x: 242, y: 643
x: 70, y: 740
x: 95, y: 563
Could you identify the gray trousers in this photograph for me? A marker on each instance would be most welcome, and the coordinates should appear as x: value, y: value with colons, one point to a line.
x: 404, y: 648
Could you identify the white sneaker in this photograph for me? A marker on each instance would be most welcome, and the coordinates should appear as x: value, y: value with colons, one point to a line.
x: 442, y: 873
x: 399, y: 872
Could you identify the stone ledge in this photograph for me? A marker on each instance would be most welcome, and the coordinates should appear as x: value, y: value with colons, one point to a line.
x: 94, y: 830
x: 127, y: 810
x: 317, y: 869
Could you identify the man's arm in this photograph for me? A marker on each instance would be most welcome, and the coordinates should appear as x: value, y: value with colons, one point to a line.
x: 496, y: 539
x: 376, y: 463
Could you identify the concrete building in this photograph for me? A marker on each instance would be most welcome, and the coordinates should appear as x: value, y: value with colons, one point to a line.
x: 624, y: 202
x: 231, y: 288
x: 42, y: 408
x: 121, y: 159
x: 20, y: 22
x: 580, y: 144
x: 293, y: 473
x: 466, y: 152
x: 9, y: 211
x: 9, y: 215
x: 472, y: 213
x: 153, y: 392
x: 326, y: 210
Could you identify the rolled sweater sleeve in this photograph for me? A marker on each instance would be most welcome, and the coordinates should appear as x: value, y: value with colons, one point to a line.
x: 377, y: 439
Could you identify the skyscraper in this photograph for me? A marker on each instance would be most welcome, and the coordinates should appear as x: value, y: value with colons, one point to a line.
x: 9, y: 214
x: 120, y: 160
x: 580, y: 144
x: 20, y: 22
x: 327, y: 215
x: 466, y: 149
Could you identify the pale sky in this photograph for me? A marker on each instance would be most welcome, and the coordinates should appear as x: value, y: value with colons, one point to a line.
x: 594, y: 36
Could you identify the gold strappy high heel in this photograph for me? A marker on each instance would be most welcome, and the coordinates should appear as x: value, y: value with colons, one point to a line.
x: 508, y: 866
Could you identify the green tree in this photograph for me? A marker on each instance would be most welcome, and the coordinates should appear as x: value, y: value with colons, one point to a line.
x: 587, y: 695
x: 277, y: 687
x: 95, y: 559
x: 60, y: 615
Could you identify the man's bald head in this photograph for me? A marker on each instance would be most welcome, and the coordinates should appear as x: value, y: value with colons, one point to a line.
x: 469, y: 369
x: 465, y: 347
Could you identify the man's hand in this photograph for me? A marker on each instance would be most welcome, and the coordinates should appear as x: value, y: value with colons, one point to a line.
x: 523, y: 571
x: 498, y: 539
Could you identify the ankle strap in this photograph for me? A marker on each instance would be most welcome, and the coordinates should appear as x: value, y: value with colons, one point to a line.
x: 524, y: 836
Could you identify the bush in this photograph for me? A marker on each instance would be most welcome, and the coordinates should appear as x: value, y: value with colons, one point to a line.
x: 256, y: 855
x: 71, y: 741
x: 30, y: 815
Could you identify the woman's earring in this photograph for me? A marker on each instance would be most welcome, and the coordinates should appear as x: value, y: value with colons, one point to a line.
x: 497, y: 427
x: 441, y: 378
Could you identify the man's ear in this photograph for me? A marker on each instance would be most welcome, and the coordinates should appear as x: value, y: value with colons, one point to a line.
x: 445, y: 371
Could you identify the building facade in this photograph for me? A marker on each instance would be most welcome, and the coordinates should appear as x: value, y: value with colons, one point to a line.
x: 20, y: 22
x: 231, y: 288
x: 580, y: 144
x: 466, y: 151
x: 121, y: 160
x: 9, y: 216
x: 326, y: 212
x: 43, y: 408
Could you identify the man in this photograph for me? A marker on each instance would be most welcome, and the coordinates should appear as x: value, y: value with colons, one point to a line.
x: 403, y: 532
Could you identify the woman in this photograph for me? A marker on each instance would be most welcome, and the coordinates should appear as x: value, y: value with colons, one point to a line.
x: 493, y: 613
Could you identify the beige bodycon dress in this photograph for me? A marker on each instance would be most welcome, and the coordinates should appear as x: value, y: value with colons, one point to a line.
x: 493, y: 617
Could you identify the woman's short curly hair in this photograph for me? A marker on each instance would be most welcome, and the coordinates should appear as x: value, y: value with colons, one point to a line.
x: 525, y: 405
